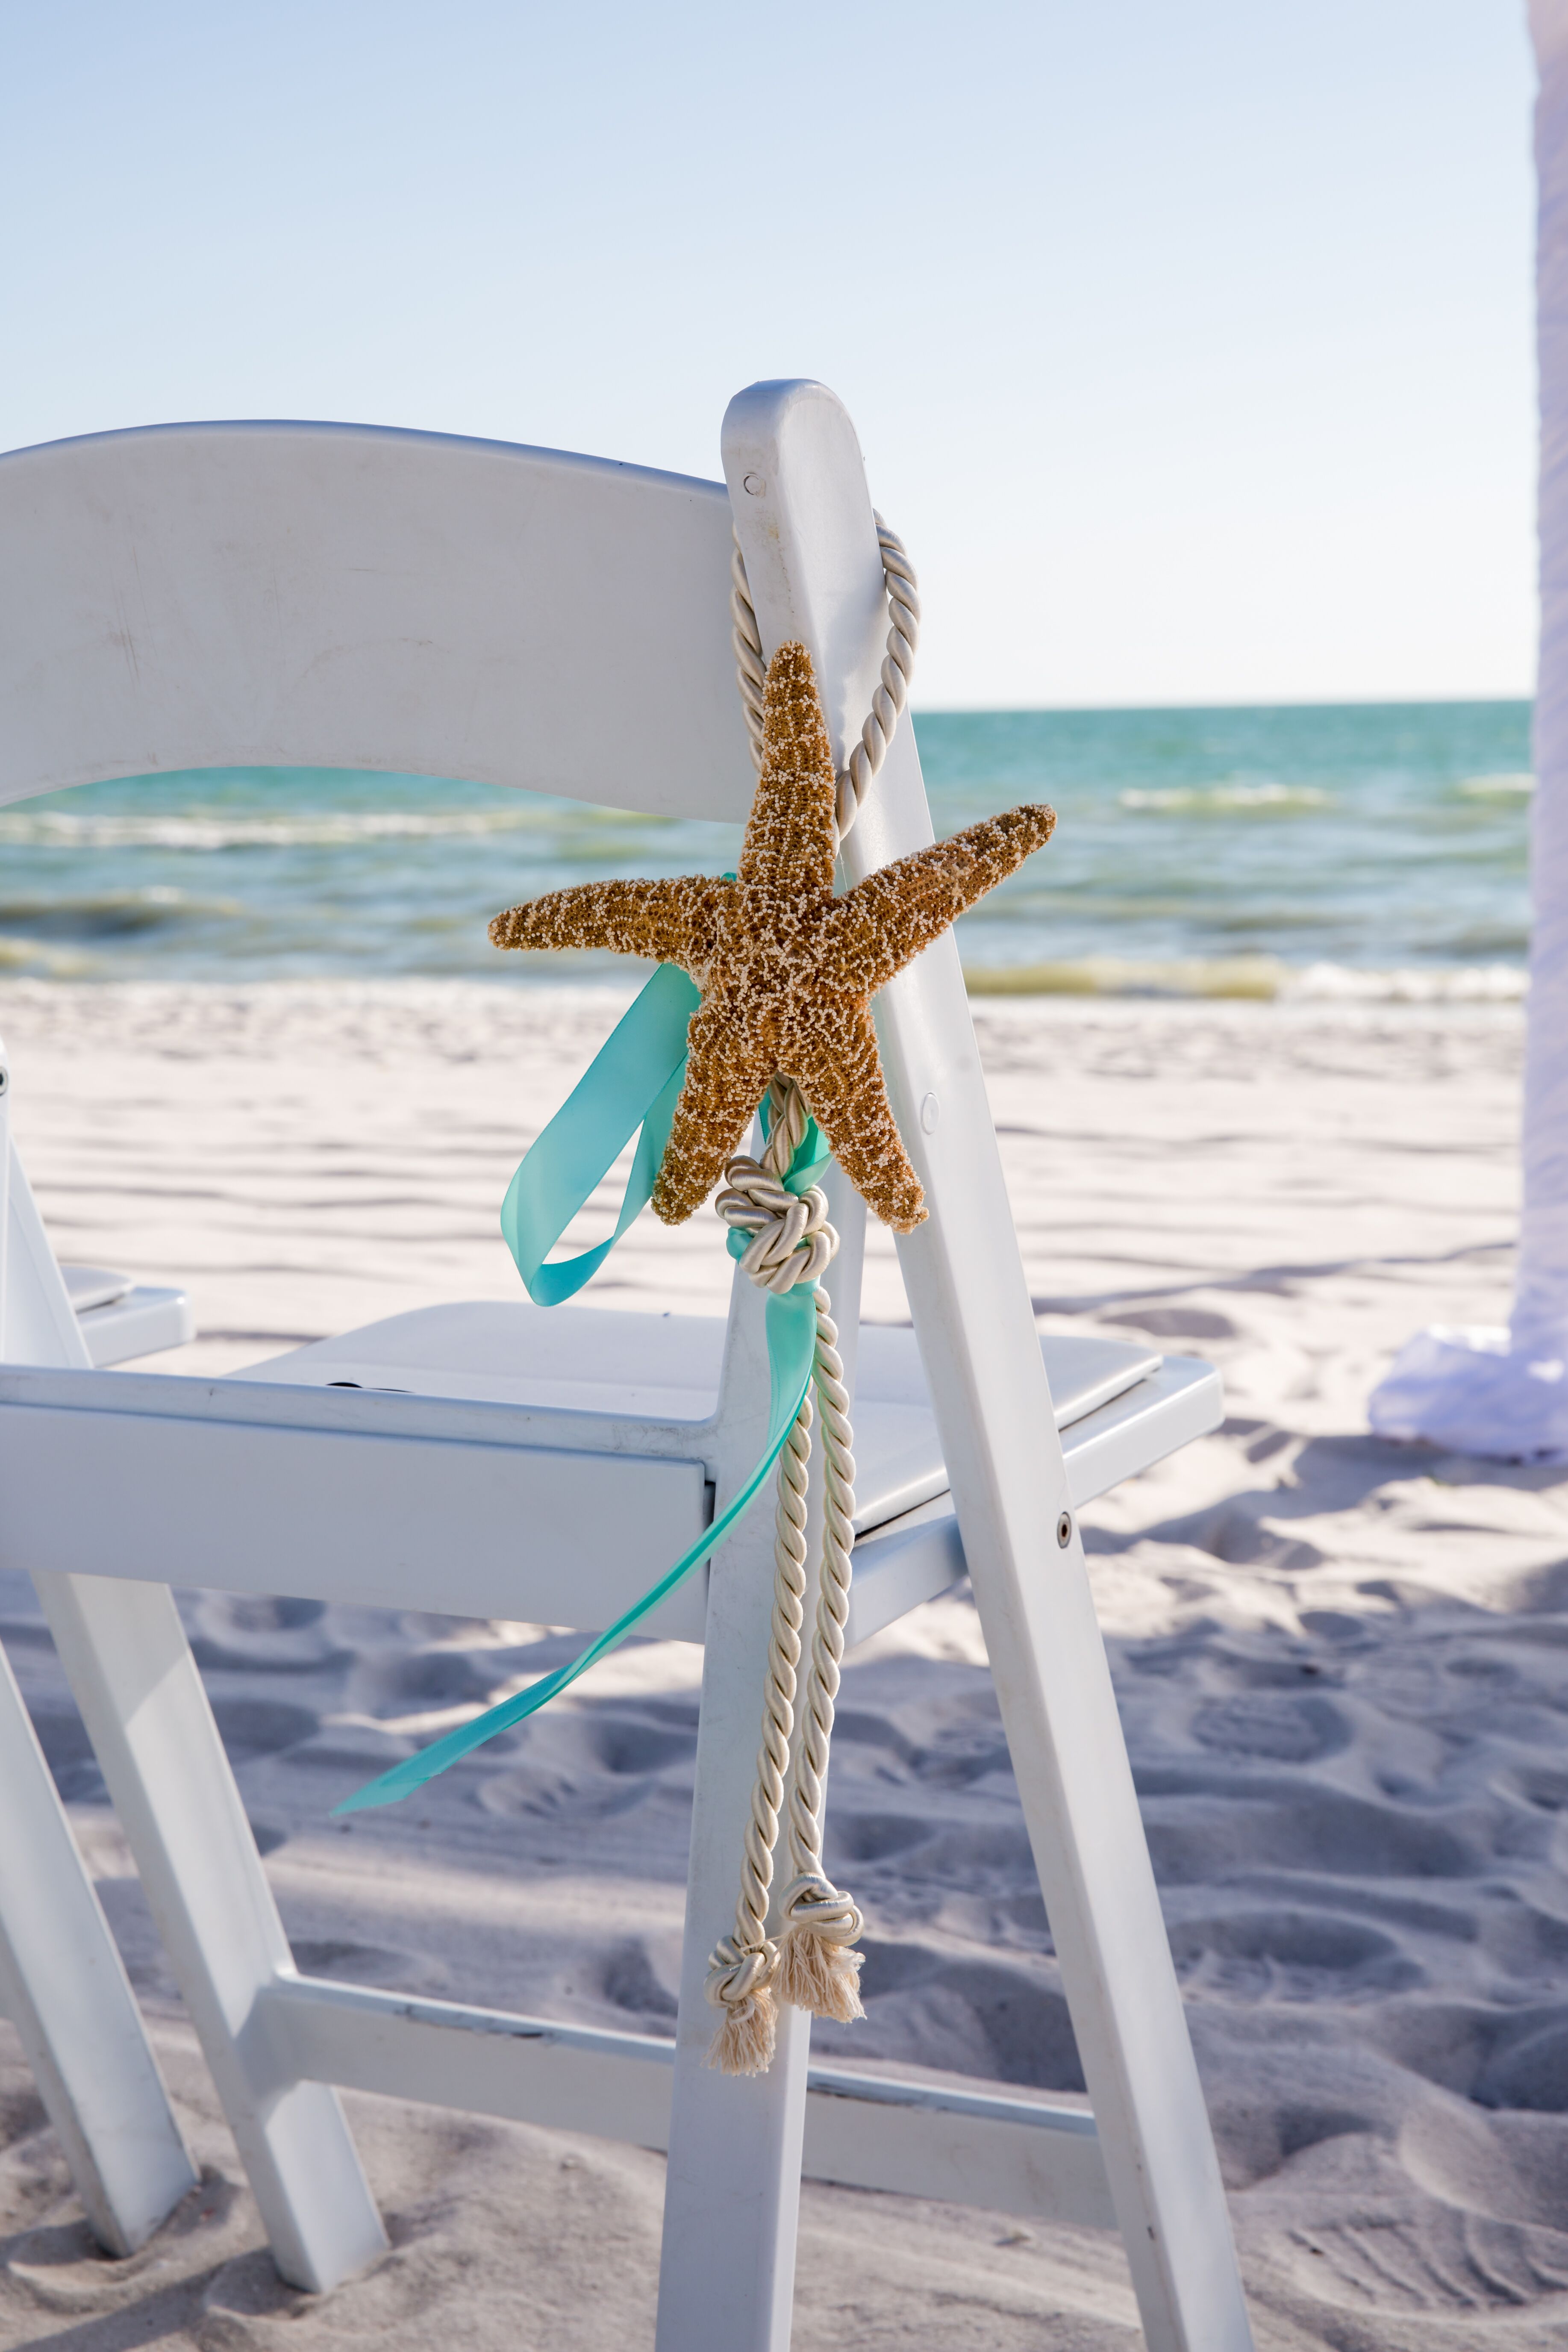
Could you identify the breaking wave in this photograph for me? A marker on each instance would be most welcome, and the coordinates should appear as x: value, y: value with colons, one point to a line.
x: 212, y: 830
x: 1497, y: 787
x: 1224, y: 800
x: 1261, y: 979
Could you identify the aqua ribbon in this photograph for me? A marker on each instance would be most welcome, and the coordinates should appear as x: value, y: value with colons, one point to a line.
x: 632, y: 1082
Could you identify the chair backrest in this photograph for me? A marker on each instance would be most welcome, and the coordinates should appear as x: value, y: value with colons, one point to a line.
x: 346, y: 596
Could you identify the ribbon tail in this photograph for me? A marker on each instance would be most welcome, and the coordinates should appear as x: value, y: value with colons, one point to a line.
x: 792, y: 1341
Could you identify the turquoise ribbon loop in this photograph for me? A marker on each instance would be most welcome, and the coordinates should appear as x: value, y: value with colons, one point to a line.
x: 633, y: 1081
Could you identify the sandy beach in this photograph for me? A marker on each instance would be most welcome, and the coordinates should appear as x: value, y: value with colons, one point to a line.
x: 1343, y: 1665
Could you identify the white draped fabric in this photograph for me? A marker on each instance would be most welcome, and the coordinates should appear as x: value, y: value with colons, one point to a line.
x: 1504, y: 1392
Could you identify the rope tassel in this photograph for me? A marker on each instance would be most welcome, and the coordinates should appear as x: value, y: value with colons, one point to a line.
x: 742, y: 1967
x: 816, y: 1968
x: 739, y: 1984
x: 789, y: 1241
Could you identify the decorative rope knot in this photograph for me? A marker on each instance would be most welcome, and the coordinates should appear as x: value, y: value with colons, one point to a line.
x: 818, y: 1969
x: 813, y: 1901
x: 792, y: 1241
x: 735, y: 1974
x: 739, y: 1984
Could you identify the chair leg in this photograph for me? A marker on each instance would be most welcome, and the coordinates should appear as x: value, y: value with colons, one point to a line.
x: 130, y: 1665
x: 732, y: 2187
x: 982, y: 1357
x: 65, y: 1989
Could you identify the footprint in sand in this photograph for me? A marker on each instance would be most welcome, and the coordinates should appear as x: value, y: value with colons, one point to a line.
x: 1296, y: 1956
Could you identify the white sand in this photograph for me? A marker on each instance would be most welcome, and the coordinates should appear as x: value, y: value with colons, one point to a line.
x: 1343, y: 1668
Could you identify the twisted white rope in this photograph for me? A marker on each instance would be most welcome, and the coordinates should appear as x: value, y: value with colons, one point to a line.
x: 892, y: 694
x: 791, y: 1242
x: 812, y: 1901
x: 750, y: 669
x: 742, y: 1966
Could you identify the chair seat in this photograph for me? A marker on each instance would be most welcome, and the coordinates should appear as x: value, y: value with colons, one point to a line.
x: 667, y: 1366
x: 1120, y: 1408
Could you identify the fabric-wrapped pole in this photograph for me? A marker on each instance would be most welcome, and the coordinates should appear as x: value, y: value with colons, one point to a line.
x: 1504, y: 1391
x: 1541, y: 1306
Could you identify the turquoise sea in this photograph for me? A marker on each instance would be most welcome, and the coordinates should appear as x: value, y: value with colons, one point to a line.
x: 1371, y: 851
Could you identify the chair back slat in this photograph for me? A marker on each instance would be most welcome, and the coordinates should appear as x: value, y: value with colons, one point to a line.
x: 346, y: 596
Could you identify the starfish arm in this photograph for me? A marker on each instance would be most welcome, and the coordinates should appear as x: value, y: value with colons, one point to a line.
x: 885, y: 921
x: 792, y: 836
x: 669, y: 922
x: 725, y: 1080
x: 842, y: 1082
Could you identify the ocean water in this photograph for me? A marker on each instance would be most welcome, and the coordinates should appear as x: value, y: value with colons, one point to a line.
x: 1362, y: 850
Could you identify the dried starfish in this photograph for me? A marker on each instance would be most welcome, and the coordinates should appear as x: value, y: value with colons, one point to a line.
x: 786, y: 968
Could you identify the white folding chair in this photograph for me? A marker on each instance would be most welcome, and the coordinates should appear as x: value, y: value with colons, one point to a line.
x: 62, y: 1983
x: 287, y: 595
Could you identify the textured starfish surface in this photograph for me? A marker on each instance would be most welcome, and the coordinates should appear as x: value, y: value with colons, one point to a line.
x: 788, y: 967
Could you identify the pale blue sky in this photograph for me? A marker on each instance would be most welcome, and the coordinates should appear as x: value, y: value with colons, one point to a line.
x: 1189, y: 347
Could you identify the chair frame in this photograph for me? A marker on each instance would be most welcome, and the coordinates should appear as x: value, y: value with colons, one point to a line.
x: 278, y: 2042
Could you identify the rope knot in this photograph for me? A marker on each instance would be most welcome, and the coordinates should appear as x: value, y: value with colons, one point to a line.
x: 818, y: 1969
x: 740, y: 1984
x: 736, y: 1972
x: 813, y: 1901
x: 791, y: 1239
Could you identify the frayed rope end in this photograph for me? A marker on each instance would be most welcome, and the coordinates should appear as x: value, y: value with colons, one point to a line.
x: 746, y: 2037
x: 820, y: 1976
x: 740, y: 1981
